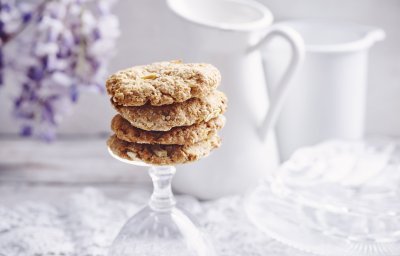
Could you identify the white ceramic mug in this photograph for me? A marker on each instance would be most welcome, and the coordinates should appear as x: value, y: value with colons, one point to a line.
x: 229, y: 34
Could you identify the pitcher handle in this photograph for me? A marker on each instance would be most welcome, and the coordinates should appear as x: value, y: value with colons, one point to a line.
x: 283, y: 86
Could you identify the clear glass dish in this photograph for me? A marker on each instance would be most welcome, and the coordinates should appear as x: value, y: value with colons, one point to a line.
x: 338, y: 198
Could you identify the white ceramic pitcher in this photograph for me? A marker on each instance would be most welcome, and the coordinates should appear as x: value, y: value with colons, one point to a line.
x: 228, y: 34
x: 329, y: 94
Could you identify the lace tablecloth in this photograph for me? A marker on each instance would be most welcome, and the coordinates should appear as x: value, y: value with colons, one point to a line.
x: 85, y: 223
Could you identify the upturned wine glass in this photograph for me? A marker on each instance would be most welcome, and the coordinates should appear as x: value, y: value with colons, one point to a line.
x: 160, y: 228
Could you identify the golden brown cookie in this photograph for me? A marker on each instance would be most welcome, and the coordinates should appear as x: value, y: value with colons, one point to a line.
x: 163, y: 118
x: 162, y: 83
x: 162, y: 154
x: 178, y: 135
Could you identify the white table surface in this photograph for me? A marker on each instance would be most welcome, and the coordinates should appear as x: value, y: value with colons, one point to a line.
x: 48, y: 188
x: 58, y: 177
x: 66, y: 161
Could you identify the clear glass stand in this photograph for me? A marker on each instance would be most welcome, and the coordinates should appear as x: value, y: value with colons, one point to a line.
x: 160, y: 228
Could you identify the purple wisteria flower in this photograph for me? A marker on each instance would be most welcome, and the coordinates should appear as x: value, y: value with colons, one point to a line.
x: 65, y: 47
x: 13, y: 18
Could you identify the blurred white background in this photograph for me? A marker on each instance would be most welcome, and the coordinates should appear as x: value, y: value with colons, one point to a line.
x: 149, y: 32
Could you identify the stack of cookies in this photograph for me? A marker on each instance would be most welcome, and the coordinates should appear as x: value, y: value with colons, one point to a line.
x: 168, y: 112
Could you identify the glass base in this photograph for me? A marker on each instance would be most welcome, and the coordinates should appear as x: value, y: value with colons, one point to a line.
x: 161, y: 233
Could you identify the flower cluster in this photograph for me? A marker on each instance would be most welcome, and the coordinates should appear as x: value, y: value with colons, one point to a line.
x: 13, y: 18
x: 65, y: 47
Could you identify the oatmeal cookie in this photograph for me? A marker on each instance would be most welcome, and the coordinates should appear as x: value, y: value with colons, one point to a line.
x: 184, y: 135
x: 162, y: 154
x: 162, y: 83
x: 163, y: 118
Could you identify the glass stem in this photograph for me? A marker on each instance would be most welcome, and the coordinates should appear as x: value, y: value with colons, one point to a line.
x: 162, y: 198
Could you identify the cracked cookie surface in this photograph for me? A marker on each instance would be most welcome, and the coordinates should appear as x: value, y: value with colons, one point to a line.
x: 162, y: 83
x: 155, y: 154
x: 178, y: 135
x: 164, y: 118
